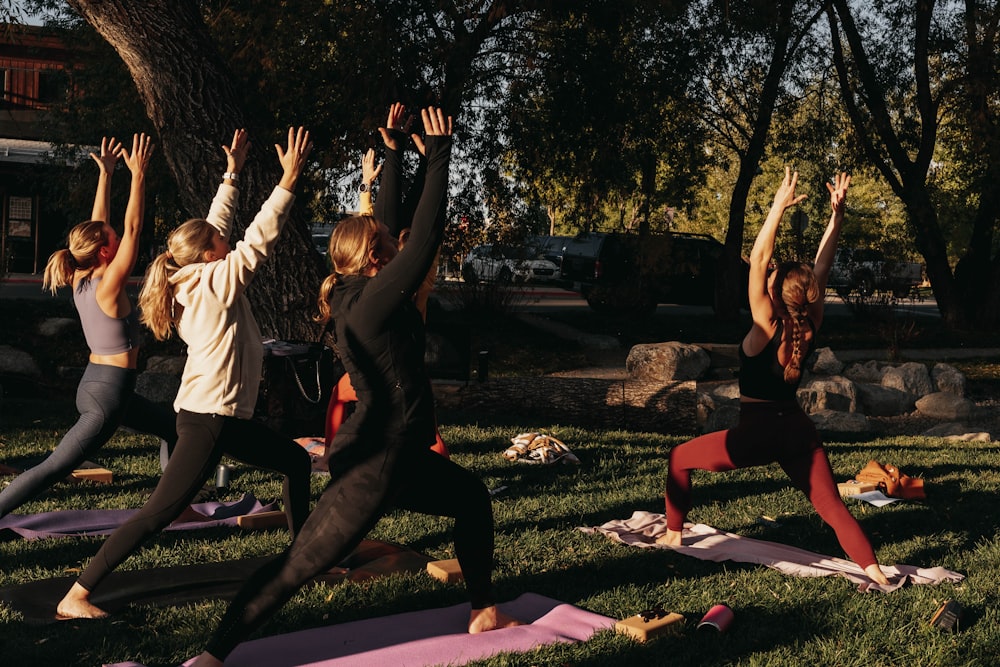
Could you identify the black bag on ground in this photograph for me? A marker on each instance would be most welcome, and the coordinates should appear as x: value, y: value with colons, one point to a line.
x: 295, y: 387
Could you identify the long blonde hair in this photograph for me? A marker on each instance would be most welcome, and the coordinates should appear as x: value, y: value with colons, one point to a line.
x: 82, y: 253
x: 185, y: 245
x: 799, y: 289
x: 351, y: 245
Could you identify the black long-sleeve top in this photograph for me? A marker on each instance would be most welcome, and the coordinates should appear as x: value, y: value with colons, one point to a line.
x: 379, y: 333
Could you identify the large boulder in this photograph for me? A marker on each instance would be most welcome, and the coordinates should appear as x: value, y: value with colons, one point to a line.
x: 666, y: 362
x: 821, y: 393
x: 959, y: 433
x: 948, y: 379
x: 841, y: 422
x: 878, y: 401
x: 827, y: 363
x: 867, y: 371
x: 158, y: 387
x: 56, y: 326
x: 724, y: 417
x: 945, y: 406
x: 166, y: 365
x: 911, y: 377
x: 18, y: 362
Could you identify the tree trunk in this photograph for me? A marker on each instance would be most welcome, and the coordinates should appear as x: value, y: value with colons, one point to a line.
x: 191, y: 99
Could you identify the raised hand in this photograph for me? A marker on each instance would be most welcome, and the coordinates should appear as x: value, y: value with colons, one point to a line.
x: 110, y: 152
x: 435, y: 122
x: 142, y: 151
x: 785, y: 196
x: 369, y: 172
x: 236, y: 152
x: 394, y: 124
x: 838, y: 192
x: 293, y: 158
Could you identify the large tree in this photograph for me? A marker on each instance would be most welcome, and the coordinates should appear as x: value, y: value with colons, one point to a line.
x: 937, y: 65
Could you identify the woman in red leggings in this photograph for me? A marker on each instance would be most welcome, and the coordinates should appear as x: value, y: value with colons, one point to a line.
x: 786, y: 305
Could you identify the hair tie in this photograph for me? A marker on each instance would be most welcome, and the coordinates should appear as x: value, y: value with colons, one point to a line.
x: 169, y: 255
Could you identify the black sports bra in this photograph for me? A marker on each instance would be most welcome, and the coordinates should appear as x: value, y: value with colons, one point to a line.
x: 762, y: 377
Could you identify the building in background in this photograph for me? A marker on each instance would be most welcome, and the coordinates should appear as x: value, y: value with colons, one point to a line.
x: 33, y: 63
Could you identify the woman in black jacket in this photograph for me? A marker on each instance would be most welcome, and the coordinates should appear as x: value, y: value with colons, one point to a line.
x: 380, y: 458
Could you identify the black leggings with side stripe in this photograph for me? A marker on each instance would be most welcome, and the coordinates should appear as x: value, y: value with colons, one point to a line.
x: 201, y: 441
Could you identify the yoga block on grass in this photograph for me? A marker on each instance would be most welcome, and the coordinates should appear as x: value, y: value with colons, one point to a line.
x: 99, y: 475
x: 447, y: 571
x: 642, y: 630
x: 853, y: 487
x: 273, y: 519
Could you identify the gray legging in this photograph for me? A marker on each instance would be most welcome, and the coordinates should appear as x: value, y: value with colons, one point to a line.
x: 202, y: 440
x: 106, y: 399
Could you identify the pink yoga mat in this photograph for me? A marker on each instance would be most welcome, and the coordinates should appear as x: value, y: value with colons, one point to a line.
x: 419, y: 638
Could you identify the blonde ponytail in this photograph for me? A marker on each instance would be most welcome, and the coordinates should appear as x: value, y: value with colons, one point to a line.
x: 185, y: 245
x: 82, y: 254
x: 350, y: 246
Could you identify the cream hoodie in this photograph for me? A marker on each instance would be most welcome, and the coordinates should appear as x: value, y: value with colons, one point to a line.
x: 225, y: 355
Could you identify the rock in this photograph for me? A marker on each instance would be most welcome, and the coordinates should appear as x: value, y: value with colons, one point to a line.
x: 727, y: 390
x: 704, y: 406
x: 158, y: 387
x: 878, y: 401
x: 959, y: 432
x: 911, y: 377
x: 869, y: 372
x: 166, y: 365
x: 827, y: 393
x: 948, y: 379
x: 18, y: 362
x: 665, y: 362
x: 827, y: 362
x: 724, y: 417
x: 841, y: 422
x: 942, y: 405
x: 56, y: 326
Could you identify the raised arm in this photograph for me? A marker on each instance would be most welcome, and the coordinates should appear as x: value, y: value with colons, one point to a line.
x: 828, y: 245
x: 399, y: 279
x: 112, y: 286
x: 220, y: 215
x: 387, y: 206
x: 761, y: 308
x: 110, y: 152
x: 369, y: 172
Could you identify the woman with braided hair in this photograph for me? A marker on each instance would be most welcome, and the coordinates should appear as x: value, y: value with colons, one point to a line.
x: 786, y: 305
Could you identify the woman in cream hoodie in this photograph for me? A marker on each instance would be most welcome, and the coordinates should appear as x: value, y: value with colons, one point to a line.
x: 197, y: 288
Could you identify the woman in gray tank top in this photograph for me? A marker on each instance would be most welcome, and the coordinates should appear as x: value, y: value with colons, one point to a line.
x: 97, y: 265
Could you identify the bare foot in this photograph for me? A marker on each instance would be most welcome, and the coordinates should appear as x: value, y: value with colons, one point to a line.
x: 76, y: 604
x: 672, y: 538
x: 490, y: 618
x: 874, y: 573
x: 206, y: 659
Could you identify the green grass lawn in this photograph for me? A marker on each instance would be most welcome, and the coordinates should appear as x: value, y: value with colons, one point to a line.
x: 779, y: 620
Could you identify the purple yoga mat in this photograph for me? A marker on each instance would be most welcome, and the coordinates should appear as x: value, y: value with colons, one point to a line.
x: 419, y: 638
x: 79, y: 523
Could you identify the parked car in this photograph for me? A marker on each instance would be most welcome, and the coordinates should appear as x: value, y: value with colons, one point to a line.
x: 615, y: 272
x: 863, y: 271
x: 507, y: 264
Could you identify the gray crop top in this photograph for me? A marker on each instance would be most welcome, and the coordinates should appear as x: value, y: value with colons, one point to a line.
x: 105, y: 335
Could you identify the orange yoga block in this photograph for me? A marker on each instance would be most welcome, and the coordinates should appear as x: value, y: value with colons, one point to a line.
x: 447, y: 571
x: 99, y: 475
x: 642, y: 631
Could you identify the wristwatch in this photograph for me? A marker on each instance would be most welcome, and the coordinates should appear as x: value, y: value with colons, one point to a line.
x: 363, y: 187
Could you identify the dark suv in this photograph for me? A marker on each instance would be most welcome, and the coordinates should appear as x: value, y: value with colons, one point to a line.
x: 609, y: 270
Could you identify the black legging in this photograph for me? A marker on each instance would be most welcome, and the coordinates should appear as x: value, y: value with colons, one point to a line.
x: 106, y: 399
x: 403, y: 476
x: 201, y: 442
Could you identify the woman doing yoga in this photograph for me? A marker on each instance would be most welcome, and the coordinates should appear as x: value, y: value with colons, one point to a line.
x: 197, y: 287
x: 786, y: 306
x: 97, y: 264
x: 380, y: 457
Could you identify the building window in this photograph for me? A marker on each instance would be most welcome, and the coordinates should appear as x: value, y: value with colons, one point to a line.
x: 51, y: 86
x: 19, y: 216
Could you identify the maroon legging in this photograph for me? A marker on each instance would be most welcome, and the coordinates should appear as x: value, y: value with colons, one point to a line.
x: 768, y: 432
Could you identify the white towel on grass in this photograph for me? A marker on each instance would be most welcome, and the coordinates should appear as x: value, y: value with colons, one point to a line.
x: 708, y: 543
